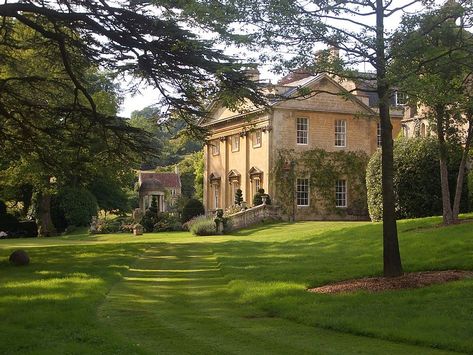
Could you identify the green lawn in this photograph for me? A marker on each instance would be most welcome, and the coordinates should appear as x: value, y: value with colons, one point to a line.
x: 242, y: 293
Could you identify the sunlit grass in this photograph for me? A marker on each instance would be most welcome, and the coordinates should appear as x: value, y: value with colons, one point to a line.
x: 240, y: 293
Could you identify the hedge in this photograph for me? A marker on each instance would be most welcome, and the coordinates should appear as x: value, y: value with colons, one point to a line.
x: 416, y: 179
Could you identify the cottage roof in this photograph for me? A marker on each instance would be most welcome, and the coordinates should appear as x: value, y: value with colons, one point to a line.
x: 156, y: 181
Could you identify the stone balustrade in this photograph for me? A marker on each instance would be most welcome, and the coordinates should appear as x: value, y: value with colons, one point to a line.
x: 254, y: 215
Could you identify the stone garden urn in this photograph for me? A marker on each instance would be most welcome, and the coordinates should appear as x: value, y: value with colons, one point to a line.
x: 137, y: 229
x: 265, y: 199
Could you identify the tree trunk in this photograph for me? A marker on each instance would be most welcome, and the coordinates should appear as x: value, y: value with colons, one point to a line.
x: 447, y: 212
x: 391, y: 254
x: 461, y: 171
x: 45, y: 224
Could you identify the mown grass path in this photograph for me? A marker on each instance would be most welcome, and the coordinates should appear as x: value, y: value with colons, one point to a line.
x: 175, y: 299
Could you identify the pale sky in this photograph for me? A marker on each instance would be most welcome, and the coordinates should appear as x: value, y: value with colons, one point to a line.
x: 149, y: 96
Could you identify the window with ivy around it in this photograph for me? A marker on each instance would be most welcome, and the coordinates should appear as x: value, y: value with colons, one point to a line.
x: 302, y: 192
x: 341, y: 193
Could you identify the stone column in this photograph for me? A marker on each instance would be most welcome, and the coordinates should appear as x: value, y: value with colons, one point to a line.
x: 224, y: 180
x: 245, y: 176
x: 206, y: 177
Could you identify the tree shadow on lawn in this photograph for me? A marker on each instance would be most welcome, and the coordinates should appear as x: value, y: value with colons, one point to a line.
x: 273, y: 276
x: 51, y: 303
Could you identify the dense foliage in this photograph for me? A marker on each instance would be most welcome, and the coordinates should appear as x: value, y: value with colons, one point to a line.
x: 202, y: 226
x: 77, y: 205
x: 173, y: 143
x: 416, y: 178
x: 192, y: 208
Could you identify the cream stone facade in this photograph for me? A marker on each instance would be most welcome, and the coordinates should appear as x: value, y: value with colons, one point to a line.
x: 242, y: 147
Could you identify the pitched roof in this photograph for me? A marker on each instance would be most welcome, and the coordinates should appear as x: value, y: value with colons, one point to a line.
x: 288, y: 90
x: 166, y: 180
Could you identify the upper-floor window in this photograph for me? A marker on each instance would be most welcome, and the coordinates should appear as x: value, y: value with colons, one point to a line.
x: 235, y: 140
x: 405, y: 131
x: 341, y: 193
x: 302, y: 192
x: 215, y: 147
x: 378, y: 135
x: 257, y: 138
x: 400, y: 98
x: 302, y: 130
x: 340, y: 133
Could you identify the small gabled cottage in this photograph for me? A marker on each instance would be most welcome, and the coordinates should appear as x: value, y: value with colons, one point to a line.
x: 244, y: 149
x: 166, y: 187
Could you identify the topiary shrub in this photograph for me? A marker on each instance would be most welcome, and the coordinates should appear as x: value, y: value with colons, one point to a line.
x: 203, y: 225
x: 416, y: 179
x: 151, y: 216
x: 258, y: 198
x: 76, y: 205
x: 192, y: 208
x: 238, y: 197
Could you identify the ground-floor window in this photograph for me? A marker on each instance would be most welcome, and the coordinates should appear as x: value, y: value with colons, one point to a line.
x: 341, y: 193
x: 216, y: 196
x: 235, y: 187
x: 256, y: 185
x: 302, y: 192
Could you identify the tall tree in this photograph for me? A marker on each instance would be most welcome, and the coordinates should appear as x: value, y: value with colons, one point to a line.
x: 434, y: 51
x: 147, y: 41
x: 48, y: 137
x: 150, y: 41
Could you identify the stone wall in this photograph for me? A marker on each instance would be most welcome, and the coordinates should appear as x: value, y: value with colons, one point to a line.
x: 254, y: 215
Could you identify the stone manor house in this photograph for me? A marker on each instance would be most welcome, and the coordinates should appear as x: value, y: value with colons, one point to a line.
x: 242, y: 148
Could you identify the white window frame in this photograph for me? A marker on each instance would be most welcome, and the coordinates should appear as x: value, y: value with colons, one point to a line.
x: 378, y: 134
x: 400, y: 96
x: 340, y: 133
x: 257, y: 138
x: 215, y: 147
x: 341, y: 193
x: 235, y: 142
x: 299, y: 183
x: 302, y: 130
